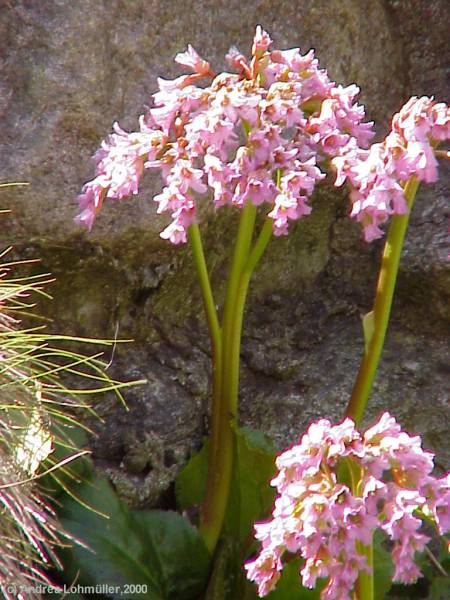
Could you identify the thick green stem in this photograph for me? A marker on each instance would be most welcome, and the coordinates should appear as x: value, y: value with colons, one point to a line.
x: 202, y: 271
x: 364, y: 587
x: 220, y: 466
x: 215, y: 332
x: 241, y: 252
x: 216, y: 346
x: 259, y: 247
x: 382, y: 308
x: 234, y: 342
x: 221, y: 443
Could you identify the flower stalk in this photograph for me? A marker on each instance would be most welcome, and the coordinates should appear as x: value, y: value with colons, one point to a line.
x: 364, y: 586
x: 226, y: 342
x: 376, y: 322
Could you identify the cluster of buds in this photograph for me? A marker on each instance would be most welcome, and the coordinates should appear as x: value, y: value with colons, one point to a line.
x: 328, y: 524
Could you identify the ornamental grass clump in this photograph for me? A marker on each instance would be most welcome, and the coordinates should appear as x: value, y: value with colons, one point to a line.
x: 37, y: 425
x: 261, y: 138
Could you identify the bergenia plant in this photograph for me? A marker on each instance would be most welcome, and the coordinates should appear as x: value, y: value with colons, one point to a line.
x: 260, y: 139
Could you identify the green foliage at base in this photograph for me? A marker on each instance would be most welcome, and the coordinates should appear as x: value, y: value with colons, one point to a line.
x: 163, y: 552
x: 159, y: 549
x: 440, y: 589
x: 251, y: 496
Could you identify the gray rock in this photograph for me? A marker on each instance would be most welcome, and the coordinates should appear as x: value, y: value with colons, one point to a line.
x: 68, y: 70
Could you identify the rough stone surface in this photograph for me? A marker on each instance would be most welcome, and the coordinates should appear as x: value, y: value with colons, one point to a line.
x: 68, y: 70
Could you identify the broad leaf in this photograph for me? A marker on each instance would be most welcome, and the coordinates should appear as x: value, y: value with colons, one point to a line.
x: 251, y: 499
x: 289, y: 586
x: 251, y: 496
x: 190, y: 485
x: 440, y: 589
x: 225, y: 582
x: 383, y: 567
x: 182, y: 558
x: 115, y: 554
x: 160, y: 550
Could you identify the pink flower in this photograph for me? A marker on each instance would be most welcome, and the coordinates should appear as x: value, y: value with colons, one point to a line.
x: 278, y: 118
x: 182, y: 217
x: 324, y: 521
x: 90, y: 201
x: 265, y: 571
x: 437, y: 507
x: 193, y: 61
x: 261, y: 42
x: 287, y: 208
x: 377, y: 177
x: 237, y: 61
x: 184, y: 176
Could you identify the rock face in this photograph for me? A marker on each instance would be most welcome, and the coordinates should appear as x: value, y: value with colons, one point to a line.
x: 68, y: 70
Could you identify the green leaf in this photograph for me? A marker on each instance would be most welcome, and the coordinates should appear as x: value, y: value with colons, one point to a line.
x: 440, y: 589
x: 226, y: 579
x: 182, y: 558
x: 158, y: 549
x: 252, y: 496
x: 115, y: 554
x: 251, y: 499
x: 383, y: 567
x: 190, y: 485
x: 368, y: 324
x: 289, y: 586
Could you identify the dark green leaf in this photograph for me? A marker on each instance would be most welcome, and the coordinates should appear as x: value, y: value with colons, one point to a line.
x: 160, y: 550
x: 116, y: 554
x: 383, y: 567
x: 225, y: 582
x: 251, y: 499
x: 289, y: 586
x: 191, y: 482
x: 181, y: 557
x: 440, y: 589
x: 252, y: 496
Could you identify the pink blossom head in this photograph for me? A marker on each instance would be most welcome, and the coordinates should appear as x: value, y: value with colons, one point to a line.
x: 194, y: 135
x: 325, y: 522
x: 264, y: 134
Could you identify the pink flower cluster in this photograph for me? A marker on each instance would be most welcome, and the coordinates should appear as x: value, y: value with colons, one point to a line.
x: 377, y: 176
x: 325, y: 522
x: 258, y: 136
